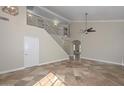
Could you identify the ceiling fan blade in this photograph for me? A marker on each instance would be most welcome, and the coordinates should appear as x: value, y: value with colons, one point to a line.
x: 91, y: 30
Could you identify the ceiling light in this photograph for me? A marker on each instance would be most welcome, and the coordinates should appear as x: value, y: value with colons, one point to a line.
x: 29, y: 15
x: 56, y: 22
x: 12, y: 10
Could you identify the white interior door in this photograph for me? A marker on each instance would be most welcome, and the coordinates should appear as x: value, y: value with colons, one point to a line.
x: 31, y: 51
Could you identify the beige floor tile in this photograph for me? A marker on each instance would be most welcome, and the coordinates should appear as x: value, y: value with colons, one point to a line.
x: 66, y: 73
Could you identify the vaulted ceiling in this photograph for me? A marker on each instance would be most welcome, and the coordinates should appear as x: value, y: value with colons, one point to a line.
x: 77, y: 13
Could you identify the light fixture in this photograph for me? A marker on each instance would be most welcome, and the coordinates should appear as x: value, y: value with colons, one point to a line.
x: 12, y: 10
x: 56, y: 22
x: 30, y: 15
x: 86, y: 28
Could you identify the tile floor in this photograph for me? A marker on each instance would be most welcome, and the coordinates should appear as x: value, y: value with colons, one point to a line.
x: 67, y: 73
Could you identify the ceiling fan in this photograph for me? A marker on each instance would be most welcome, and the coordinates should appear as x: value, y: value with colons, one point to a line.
x: 87, y: 29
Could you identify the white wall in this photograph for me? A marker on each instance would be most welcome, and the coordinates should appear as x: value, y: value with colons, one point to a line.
x: 107, y: 43
x: 49, y: 49
x: 12, y: 42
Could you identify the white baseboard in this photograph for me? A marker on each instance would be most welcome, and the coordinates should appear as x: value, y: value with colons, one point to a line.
x: 12, y: 70
x: 54, y: 61
x: 105, y: 61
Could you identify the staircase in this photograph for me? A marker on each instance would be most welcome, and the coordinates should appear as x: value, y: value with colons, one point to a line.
x: 56, y: 31
x: 64, y: 42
